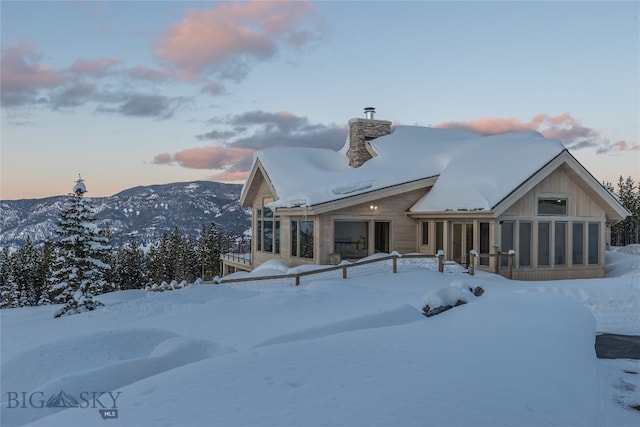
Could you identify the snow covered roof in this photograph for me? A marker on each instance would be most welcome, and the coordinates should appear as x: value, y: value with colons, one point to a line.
x: 474, y: 171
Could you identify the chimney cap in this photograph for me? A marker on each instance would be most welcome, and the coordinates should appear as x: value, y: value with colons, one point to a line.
x: 369, y: 112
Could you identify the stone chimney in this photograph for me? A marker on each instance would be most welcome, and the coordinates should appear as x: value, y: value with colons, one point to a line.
x: 361, y: 131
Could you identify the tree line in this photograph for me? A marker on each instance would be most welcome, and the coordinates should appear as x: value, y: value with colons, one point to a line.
x: 83, y: 261
x: 627, y: 232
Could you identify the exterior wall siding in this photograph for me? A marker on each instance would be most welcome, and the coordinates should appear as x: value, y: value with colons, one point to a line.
x: 403, y: 230
x: 581, y: 207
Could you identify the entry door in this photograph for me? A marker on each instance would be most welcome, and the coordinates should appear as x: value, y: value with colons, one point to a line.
x: 461, y: 242
x: 381, y: 236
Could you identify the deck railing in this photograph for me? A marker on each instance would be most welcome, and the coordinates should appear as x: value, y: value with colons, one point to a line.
x: 344, y: 268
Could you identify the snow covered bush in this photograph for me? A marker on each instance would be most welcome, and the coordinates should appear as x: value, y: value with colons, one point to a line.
x: 443, y: 299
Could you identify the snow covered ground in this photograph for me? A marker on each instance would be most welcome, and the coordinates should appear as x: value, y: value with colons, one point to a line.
x: 332, y: 352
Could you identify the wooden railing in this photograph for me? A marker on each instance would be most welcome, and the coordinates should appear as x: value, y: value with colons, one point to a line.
x: 344, y: 267
x: 394, y: 267
x: 496, y: 265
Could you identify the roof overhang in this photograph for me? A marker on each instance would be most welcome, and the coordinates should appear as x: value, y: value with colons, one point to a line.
x: 453, y: 215
x: 366, y: 197
x: 615, y: 211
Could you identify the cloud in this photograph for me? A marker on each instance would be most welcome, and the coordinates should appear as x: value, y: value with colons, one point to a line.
x: 162, y: 159
x: 93, y: 67
x: 245, y: 133
x: 206, y: 157
x: 214, y: 88
x: 73, y: 95
x: 142, y: 72
x: 563, y: 126
x: 226, y: 39
x: 142, y: 105
x: 23, y: 74
x: 216, y: 134
x: 284, y: 129
x: 230, y: 176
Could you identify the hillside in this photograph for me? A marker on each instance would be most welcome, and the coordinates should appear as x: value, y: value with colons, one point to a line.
x: 144, y: 211
x: 331, y: 352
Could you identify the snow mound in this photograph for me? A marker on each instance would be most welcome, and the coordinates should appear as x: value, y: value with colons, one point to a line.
x: 623, y: 262
x: 633, y: 249
x: 393, y: 317
x: 111, y: 360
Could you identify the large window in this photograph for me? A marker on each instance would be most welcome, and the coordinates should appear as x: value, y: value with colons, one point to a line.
x: 306, y: 239
x: 594, y: 243
x: 425, y: 233
x: 549, y: 206
x: 560, y: 244
x: 577, y: 242
x: 544, y: 244
x: 268, y: 229
x: 294, y: 238
x: 302, y: 239
x: 351, y: 239
x: 524, y: 244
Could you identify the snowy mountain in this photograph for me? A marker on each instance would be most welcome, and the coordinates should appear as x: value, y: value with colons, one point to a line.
x: 144, y: 211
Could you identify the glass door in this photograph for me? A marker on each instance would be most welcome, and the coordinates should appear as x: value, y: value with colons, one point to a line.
x: 461, y: 242
x: 381, y: 236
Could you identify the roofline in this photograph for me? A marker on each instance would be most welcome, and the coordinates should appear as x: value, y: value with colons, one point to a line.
x: 257, y: 166
x: 564, y: 157
x: 364, y: 197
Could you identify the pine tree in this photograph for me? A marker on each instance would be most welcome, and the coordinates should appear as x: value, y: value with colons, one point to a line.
x: 188, y: 260
x: 628, y: 231
x: 24, y: 265
x: 79, y: 267
x: 5, y: 272
x: 131, y: 269
x: 44, y: 271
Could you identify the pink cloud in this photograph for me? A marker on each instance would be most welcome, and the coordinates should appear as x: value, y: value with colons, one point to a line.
x: 489, y: 125
x: 230, y: 176
x: 21, y: 69
x: 625, y: 146
x: 228, y: 34
x: 563, y: 127
x: 207, y: 157
x: 95, y: 67
x: 162, y: 159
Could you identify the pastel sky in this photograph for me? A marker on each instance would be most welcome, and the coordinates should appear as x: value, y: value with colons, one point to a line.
x: 130, y: 93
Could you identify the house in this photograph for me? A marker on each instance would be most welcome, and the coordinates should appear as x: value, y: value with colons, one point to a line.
x: 415, y: 189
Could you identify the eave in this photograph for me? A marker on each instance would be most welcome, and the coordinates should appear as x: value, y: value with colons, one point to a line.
x: 366, y: 197
x: 453, y: 215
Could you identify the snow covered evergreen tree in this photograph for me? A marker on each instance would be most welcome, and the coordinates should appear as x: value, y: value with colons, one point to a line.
x: 5, y: 288
x: 43, y: 273
x: 130, y: 269
x: 24, y: 264
x: 79, y: 266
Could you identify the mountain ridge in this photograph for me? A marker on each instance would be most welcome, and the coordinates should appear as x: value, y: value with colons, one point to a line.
x: 143, y: 211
